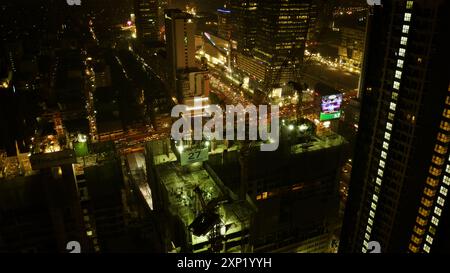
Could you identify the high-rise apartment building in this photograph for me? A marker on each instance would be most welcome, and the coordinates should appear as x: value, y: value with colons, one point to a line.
x: 401, y: 172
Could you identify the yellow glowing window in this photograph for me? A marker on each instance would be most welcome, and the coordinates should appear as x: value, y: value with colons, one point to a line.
x: 418, y: 230
x: 416, y: 239
x: 424, y: 212
x: 447, y: 113
x: 413, y: 248
x: 438, y: 160
x: 432, y: 182
x: 443, y: 138
x: 427, y: 203
x: 409, y: 4
x: 440, y: 149
x: 432, y: 230
x: 445, y: 126
x: 429, y: 192
x: 421, y: 221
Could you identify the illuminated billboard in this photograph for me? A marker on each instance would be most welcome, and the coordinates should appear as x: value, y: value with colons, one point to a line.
x: 331, y: 103
x: 331, y: 107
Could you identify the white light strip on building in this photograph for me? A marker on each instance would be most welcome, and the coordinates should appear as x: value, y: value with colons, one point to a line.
x: 387, y: 133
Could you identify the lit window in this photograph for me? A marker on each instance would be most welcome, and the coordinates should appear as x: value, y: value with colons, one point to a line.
x: 396, y: 85
x: 443, y: 191
x: 400, y: 63
x: 441, y: 201
x: 378, y: 181
x: 402, y: 52
x: 398, y: 74
x: 437, y: 211
x: 385, y: 145
x: 369, y: 229
x: 394, y: 96
x: 372, y: 214
x: 405, y: 29
x: 407, y: 17
x: 393, y: 106
x: 387, y: 136
x: 389, y: 126
x: 366, y: 244
x: 426, y: 248
x: 380, y: 172
x: 447, y: 168
x: 429, y: 239
x: 367, y: 236
x: 435, y: 221
x: 375, y: 198
x: 409, y: 4
x: 446, y: 180
x: 383, y: 154
x: 391, y: 116
x: 382, y: 164
x: 373, y: 206
x: 403, y: 40
x: 370, y: 222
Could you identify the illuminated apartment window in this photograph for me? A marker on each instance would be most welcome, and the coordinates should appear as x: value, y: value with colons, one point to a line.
x: 403, y: 40
x: 405, y: 29
x: 443, y: 191
x: 369, y: 229
x: 441, y: 201
x: 382, y: 164
x: 393, y: 106
x: 385, y: 145
x: 398, y: 74
x: 445, y: 126
x: 400, y: 63
x: 391, y: 116
x: 432, y: 230
x: 409, y: 4
x: 435, y: 221
x: 413, y: 248
x: 429, y: 192
x: 440, y: 150
x: 389, y: 126
x: 407, y: 17
x: 396, y: 85
x: 447, y: 113
x: 427, y: 203
x: 447, y: 168
x: 387, y: 136
x: 402, y: 52
x: 424, y: 212
x: 370, y: 222
x: 438, y: 160
x: 375, y: 198
x: 383, y: 154
x: 421, y: 221
x: 367, y: 236
x: 429, y: 239
x: 394, y: 96
x: 437, y: 211
x: 378, y: 181
x: 418, y: 230
x: 373, y: 205
x: 432, y: 182
x: 415, y: 239
x: 443, y: 138
x: 434, y: 171
x: 446, y: 180
x: 426, y: 248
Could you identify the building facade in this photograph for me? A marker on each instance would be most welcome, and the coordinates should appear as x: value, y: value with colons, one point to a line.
x: 400, y: 174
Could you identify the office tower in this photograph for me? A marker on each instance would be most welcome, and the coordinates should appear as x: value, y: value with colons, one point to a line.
x: 224, y: 23
x: 401, y: 173
x: 244, y: 14
x: 147, y: 24
x: 282, y: 32
x: 185, y: 78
